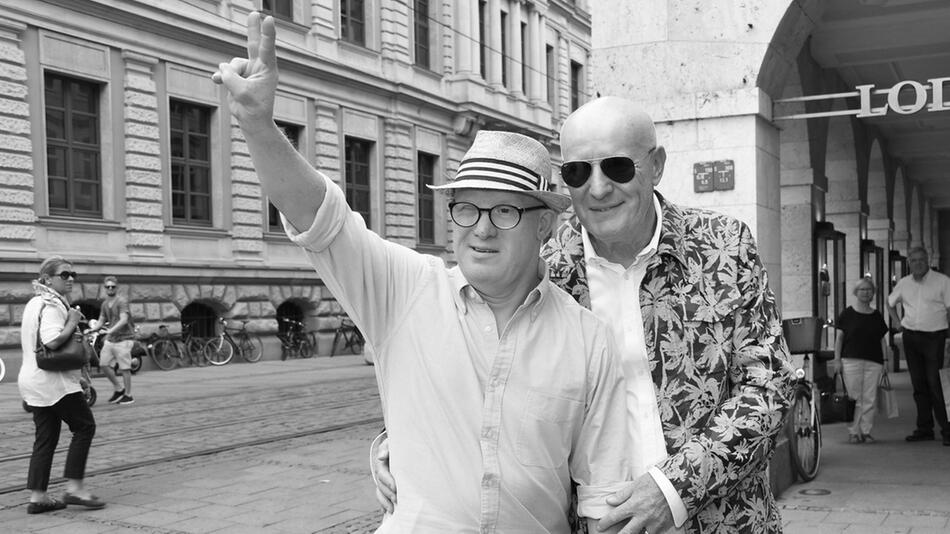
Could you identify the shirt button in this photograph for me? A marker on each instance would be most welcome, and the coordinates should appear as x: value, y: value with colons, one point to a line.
x: 487, y: 329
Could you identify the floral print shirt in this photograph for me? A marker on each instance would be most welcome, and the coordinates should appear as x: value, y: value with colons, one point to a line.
x: 717, y: 357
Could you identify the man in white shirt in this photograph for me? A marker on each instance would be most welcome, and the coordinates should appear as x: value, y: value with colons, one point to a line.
x: 498, y: 390
x: 925, y: 295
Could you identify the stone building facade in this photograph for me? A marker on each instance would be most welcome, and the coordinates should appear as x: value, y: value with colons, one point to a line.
x: 119, y: 153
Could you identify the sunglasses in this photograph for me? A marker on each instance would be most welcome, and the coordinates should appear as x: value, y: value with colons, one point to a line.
x: 620, y: 169
x: 65, y: 275
x: 111, y: 287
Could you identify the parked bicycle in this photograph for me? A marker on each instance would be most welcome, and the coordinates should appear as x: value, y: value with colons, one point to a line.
x: 193, y: 346
x: 294, y: 343
x: 164, y: 349
x: 248, y: 345
x: 804, y: 421
x: 349, y: 336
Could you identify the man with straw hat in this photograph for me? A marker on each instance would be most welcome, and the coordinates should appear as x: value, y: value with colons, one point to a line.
x: 498, y: 389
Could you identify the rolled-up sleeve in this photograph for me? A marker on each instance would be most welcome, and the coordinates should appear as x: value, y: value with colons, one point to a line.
x: 600, y: 464
x: 372, y: 279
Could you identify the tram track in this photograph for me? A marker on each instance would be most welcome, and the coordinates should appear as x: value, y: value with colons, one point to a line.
x: 127, y: 466
x: 199, y: 427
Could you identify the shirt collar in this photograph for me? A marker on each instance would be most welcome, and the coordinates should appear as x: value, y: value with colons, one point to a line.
x: 648, y: 250
x: 463, y: 292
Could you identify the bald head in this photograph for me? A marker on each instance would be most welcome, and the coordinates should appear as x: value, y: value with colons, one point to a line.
x: 609, y: 117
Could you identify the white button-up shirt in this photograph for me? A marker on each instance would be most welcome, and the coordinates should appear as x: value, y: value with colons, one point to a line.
x: 39, y: 387
x: 925, y: 301
x: 615, y: 297
x: 486, y: 429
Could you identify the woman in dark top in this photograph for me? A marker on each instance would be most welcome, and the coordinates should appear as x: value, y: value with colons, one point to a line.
x: 860, y: 351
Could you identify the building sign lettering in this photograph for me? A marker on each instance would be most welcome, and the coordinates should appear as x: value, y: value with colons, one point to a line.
x: 872, y: 105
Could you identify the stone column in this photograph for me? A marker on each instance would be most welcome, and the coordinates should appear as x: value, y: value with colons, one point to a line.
x: 17, y: 214
x: 516, y: 85
x: 399, y: 184
x: 143, y: 177
x: 464, y: 62
x: 537, y: 85
x: 495, y: 61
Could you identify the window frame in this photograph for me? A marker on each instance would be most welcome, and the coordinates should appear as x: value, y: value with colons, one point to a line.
x: 352, y: 170
x: 577, y: 72
x: 425, y: 196
x: 422, y: 39
x: 279, y: 13
x: 70, y: 147
x: 348, y: 8
x: 189, y: 163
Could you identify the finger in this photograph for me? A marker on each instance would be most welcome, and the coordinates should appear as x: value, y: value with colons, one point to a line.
x: 253, y: 34
x: 633, y: 527
x: 268, y: 39
x: 616, y: 515
x: 383, y: 501
x: 619, y: 497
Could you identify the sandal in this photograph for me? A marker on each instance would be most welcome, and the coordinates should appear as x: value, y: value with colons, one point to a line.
x: 42, y: 507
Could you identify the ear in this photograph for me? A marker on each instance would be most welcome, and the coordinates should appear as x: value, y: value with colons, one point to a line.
x: 658, y: 160
x: 546, y: 223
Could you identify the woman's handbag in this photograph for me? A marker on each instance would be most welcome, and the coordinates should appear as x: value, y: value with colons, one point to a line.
x: 886, y: 398
x: 836, y: 406
x: 72, y: 354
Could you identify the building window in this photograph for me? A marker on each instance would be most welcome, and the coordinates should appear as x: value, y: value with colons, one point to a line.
x: 357, y: 167
x: 426, y: 172
x: 292, y: 133
x: 551, y: 74
x: 190, y: 127
x: 482, y: 39
x: 72, y: 147
x: 282, y: 9
x: 353, y: 21
x: 524, y: 58
x: 421, y: 15
x: 577, y: 71
x: 504, y: 49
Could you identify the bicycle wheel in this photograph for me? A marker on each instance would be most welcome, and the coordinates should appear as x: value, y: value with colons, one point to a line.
x: 166, y: 354
x: 304, y: 348
x: 355, y: 342
x: 804, y: 435
x: 195, y: 349
x: 219, y: 351
x: 250, y: 347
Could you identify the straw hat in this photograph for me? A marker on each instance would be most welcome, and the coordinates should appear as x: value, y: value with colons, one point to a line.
x: 507, y: 161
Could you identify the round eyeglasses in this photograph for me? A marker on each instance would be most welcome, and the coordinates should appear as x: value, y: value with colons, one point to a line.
x: 502, y: 216
x: 620, y: 169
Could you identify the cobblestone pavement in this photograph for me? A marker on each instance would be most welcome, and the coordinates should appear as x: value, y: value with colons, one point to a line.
x: 316, y: 482
x: 270, y: 448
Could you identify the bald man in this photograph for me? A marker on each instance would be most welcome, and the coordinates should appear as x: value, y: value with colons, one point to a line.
x: 688, y: 302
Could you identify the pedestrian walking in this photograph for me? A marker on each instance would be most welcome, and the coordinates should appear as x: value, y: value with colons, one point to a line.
x: 55, y: 396
x: 925, y: 296
x: 116, y: 320
x: 860, y: 356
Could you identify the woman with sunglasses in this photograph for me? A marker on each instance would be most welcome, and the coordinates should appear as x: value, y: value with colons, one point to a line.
x: 56, y: 396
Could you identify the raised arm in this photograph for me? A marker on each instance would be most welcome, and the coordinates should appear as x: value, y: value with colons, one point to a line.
x: 288, y: 180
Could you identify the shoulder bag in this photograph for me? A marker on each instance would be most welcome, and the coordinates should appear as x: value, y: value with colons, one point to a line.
x: 72, y: 354
x: 836, y: 406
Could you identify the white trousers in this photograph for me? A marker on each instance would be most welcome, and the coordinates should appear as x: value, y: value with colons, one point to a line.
x: 861, y: 378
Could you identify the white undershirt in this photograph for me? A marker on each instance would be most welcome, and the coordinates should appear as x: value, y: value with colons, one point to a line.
x: 615, y: 298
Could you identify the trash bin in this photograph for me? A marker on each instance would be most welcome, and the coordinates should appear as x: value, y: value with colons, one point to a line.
x: 802, y: 334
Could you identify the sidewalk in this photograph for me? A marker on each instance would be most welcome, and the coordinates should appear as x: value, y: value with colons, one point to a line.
x: 890, y: 486
x: 321, y: 483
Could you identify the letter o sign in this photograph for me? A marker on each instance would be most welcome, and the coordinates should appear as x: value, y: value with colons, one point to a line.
x: 920, y: 97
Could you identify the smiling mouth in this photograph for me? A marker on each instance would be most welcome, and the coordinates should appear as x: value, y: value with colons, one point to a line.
x: 484, y: 250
